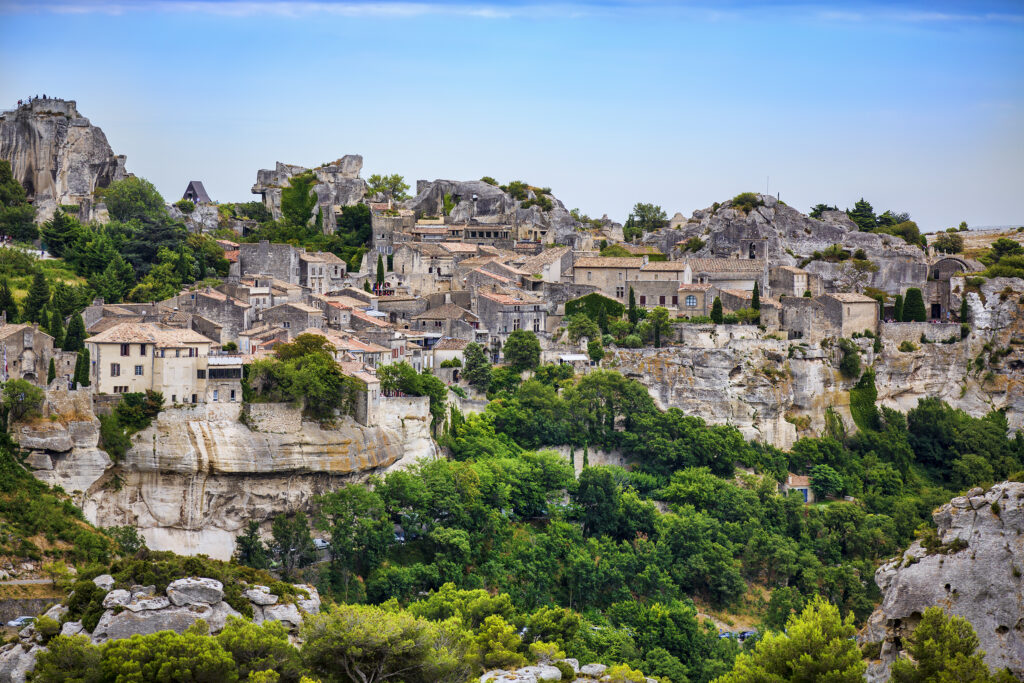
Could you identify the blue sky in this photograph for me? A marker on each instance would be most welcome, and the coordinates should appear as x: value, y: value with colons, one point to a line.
x: 918, y: 107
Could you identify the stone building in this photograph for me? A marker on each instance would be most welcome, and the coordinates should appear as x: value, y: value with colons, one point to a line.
x: 695, y: 299
x: 549, y: 265
x: 848, y: 313
x: 231, y: 315
x: 793, y: 281
x: 196, y: 193
x: 293, y: 317
x: 610, y: 274
x: 447, y: 320
x: 26, y: 352
x: 505, y: 311
x: 736, y: 299
x: 277, y: 260
x: 937, y: 290
x: 730, y: 273
x: 322, y: 272
x: 135, y: 357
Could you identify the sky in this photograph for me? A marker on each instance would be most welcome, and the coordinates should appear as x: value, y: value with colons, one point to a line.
x: 917, y: 107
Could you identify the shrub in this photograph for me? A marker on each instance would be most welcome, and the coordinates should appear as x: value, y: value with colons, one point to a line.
x: 185, y: 205
x: 746, y: 201
x: 908, y: 346
x: 451, y: 363
x: 850, y: 364
x: 694, y: 244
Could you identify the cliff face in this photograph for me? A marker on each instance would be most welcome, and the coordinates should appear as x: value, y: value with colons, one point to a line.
x: 194, y: 477
x: 975, y: 573
x: 57, y: 155
x: 337, y: 184
x: 777, y: 390
x: 787, y: 236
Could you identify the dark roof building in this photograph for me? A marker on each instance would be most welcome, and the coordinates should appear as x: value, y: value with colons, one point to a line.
x: 196, y: 193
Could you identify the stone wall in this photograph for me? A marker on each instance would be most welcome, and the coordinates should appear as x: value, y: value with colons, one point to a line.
x: 273, y: 418
x: 594, y: 456
x: 897, y: 333
x: 12, y: 608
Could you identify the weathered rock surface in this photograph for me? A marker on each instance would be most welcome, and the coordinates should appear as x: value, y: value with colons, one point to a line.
x: 188, y: 591
x: 337, y: 184
x: 789, y: 236
x: 204, y: 218
x: 16, y: 661
x: 494, y: 206
x: 57, y: 155
x: 976, y: 575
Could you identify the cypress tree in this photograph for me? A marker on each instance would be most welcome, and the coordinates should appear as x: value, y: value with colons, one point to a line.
x: 380, y: 269
x: 38, y: 297
x: 74, y: 340
x: 913, y: 306
x: 634, y: 315
x: 51, y: 372
x: 81, y: 376
x: 964, y: 311
x: 586, y: 456
x: 716, y: 311
x: 755, y: 300
x: 572, y: 457
x: 366, y: 286
x: 57, y: 329
x: 899, y: 308
x: 7, y: 303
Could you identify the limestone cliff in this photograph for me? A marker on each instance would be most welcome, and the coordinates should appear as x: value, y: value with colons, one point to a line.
x: 195, y: 476
x: 337, y: 184
x: 786, y: 237
x: 974, y: 573
x: 492, y: 205
x: 57, y: 155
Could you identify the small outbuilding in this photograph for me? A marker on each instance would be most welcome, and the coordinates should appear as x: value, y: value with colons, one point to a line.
x: 196, y: 193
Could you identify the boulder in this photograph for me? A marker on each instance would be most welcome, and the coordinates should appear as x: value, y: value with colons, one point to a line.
x: 56, y: 612
x: 146, y: 603
x: 310, y: 605
x: 189, y: 591
x: 260, y: 595
x: 104, y: 582
x: 287, y: 614
x: 16, y: 662
x: 125, y: 624
x: 71, y: 628
x: 117, y: 598
x: 593, y: 670
x: 219, y: 617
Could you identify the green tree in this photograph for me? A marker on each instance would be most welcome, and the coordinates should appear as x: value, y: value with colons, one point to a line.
x: 168, y: 657
x: 898, y: 314
x: 7, y: 303
x: 598, y: 498
x: 522, y: 350
x: 249, y: 548
x: 716, y: 311
x: 944, y: 648
x: 260, y: 647
x: 56, y: 329
x: 355, y: 225
x: 82, y: 369
x: 61, y: 233
x: 51, y: 372
x: 372, y: 644
x: 634, y: 314
x: 68, y: 659
x: 293, y: 544
x: 582, y: 326
x: 38, y: 297
x: 360, y: 531
x: 74, y: 338
x: 380, y: 269
x: 913, y: 306
x: 949, y: 243
x: 660, y: 323
x: 825, y: 481
x: 63, y: 299
x: 850, y: 363
x: 391, y: 186
x: 863, y: 214
x: 116, y: 280
x: 16, y: 213
x: 644, y: 218
x: 818, y: 210
x: 595, y: 350
x: 21, y: 399
x: 477, y: 366
x: 818, y: 645
x: 755, y: 299
x: 134, y: 199
x: 298, y: 201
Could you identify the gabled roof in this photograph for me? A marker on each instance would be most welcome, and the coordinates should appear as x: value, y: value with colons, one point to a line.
x: 198, y: 190
x: 511, y: 298
x: 609, y: 262
x: 851, y: 298
x: 450, y: 344
x: 666, y: 266
x: 447, y: 312
x: 7, y: 331
x: 725, y: 265
x: 148, y: 333
x: 536, y: 263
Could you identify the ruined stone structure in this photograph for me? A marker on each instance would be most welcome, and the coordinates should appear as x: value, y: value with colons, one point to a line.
x: 58, y: 156
x: 337, y: 185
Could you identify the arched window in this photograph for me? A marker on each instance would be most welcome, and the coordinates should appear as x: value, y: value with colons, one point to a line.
x: 691, y: 300
x: 753, y: 251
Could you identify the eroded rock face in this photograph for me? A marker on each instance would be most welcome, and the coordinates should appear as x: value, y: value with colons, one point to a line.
x: 204, y: 218
x: 975, y: 574
x: 787, y: 236
x: 57, y: 155
x: 494, y: 206
x: 337, y: 184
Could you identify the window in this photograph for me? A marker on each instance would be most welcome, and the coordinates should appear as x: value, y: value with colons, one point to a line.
x: 661, y: 300
x: 125, y: 348
x: 200, y: 374
x: 286, y: 324
x: 174, y: 398
x: 115, y: 369
x: 120, y: 390
x: 675, y: 300
x: 589, y: 276
x: 138, y: 371
x: 177, y: 353
x: 691, y: 300
x: 643, y: 299
x: 215, y: 395
x: 515, y: 324
x: 232, y: 395
x: 194, y: 399
x: 536, y: 324
x: 620, y: 292
x: 142, y: 349
x: 620, y: 277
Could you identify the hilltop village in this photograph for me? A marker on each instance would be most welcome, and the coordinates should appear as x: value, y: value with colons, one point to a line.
x: 470, y: 393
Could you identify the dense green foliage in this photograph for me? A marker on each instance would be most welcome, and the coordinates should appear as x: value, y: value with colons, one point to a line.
x: 747, y: 201
x: 392, y: 186
x: 593, y: 305
x: 1005, y: 258
x: 644, y: 218
x: 522, y: 350
x: 913, y: 306
x: 16, y: 214
x: 944, y: 648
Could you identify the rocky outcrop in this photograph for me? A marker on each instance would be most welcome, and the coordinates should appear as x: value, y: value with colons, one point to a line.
x: 194, y: 477
x: 337, y: 184
x: 57, y: 155
x: 974, y: 572
x: 787, y: 237
x: 203, y: 218
x: 494, y: 206
x: 547, y: 671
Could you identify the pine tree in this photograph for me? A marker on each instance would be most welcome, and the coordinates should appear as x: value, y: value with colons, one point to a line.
x: 755, y: 299
x: 380, y: 269
x: 62, y: 299
x: 38, y: 297
x: 7, y: 303
x: 634, y: 315
x: 913, y: 306
x: 82, y: 373
x: 863, y: 214
x: 716, y: 311
x: 74, y: 339
x: 56, y: 329
x: 51, y: 372
x: 899, y: 308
